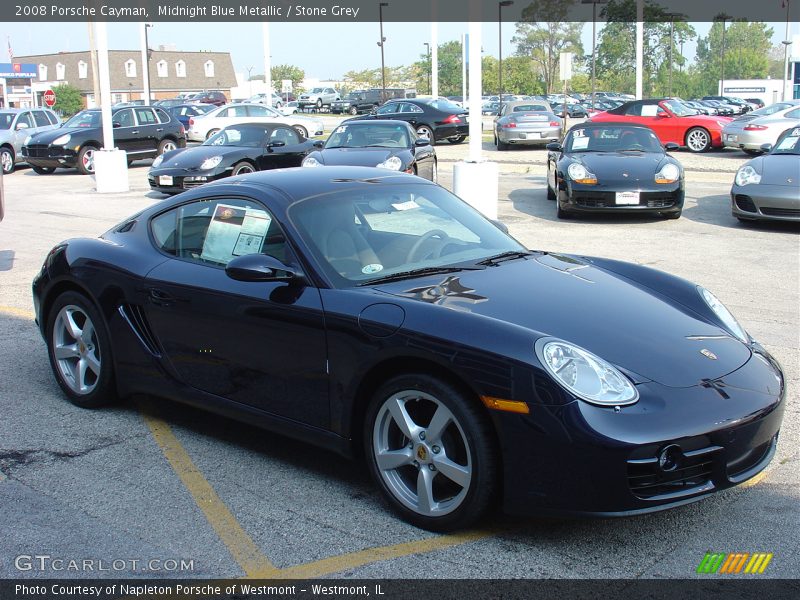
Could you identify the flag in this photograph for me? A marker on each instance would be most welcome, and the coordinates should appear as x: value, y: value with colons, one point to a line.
x: 10, y: 51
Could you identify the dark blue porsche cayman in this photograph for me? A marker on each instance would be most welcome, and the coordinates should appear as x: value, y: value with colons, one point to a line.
x: 369, y: 311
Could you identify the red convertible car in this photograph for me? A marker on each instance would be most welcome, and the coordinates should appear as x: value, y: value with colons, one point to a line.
x: 672, y: 121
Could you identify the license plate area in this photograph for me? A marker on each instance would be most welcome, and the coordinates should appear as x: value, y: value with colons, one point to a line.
x: 626, y: 198
x: 165, y: 180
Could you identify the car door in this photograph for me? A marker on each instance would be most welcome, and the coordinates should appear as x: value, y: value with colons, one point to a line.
x: 283, y: 149
x: 21, y: 129
x: 150, y: 130
x: 261, y: 344
x: 126, y: 132
x: 410, y: 113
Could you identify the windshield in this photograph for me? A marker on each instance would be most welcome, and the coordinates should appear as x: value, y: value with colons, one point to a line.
x: 317, y: 90
x: 249, y: 137
x: 530, y: 108
x: 86, y: 118
x: 788, y: 143
x: 6, y: 118
x: 612, y: 139
x: 368, y: 232
x: 679, y: 108
x: 369, y: 135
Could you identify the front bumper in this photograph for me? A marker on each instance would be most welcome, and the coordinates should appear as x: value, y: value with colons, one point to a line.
x: 181, y: 180
x: 766, y: 202
x: 531, y: 137
x: 40, y: 155
x: 666, y: 198
x: 582, y: 459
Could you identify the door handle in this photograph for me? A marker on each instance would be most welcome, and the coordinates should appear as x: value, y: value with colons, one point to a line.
x: 160, y: 129
x: 135, y: 131
x: 160, y: 297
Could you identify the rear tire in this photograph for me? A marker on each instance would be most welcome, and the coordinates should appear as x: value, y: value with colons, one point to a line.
x: 353, y: 110
x: 431, y: 451
x: 426, y: 132
x: 302, y: 131
x: 457, y: 139
x: 7, y: 160
x: 166, y: 145
x: 212, y: 132
x: 79, y: 349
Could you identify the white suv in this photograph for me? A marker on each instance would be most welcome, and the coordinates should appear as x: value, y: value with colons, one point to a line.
x: 318, y: 97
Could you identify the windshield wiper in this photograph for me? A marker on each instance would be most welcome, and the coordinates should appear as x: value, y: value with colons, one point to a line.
x: 417, y: 273
x: 504, y: 256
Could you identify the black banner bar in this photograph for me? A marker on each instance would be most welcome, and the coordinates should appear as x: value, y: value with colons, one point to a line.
x: 229, y: 11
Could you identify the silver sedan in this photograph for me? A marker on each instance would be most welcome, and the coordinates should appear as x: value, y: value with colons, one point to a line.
x: 526, y: 123
x: 763, y: 126
x: 768, y: 187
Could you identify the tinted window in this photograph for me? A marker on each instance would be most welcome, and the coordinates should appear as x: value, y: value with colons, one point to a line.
x: 213, y: 232
x: 530, y: 108
x: 389, y: 109
x: 25, y: 118
x: 286, y: 135
x: 407, y: 107
x: 234, y: 111
x: 793, y: 114
x: 145, y: 116
x: 163, y: 117
x: 41, y: 118
x: 124, y: 118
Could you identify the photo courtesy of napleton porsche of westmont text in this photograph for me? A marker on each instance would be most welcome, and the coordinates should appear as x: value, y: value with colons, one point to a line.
x: 393, y: 299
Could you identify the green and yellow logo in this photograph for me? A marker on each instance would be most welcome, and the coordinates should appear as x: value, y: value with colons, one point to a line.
x: 734, y: 563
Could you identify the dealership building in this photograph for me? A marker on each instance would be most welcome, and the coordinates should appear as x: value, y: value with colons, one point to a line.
x: 768, y: 90
x: 171, y: 71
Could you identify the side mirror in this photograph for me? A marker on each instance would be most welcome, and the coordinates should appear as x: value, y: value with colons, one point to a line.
x: 554, y: 147
x: 21, y: 126
x: 259, y: 267
x: 500, y: 225
x: 116, y: 124
x: 663, y: 115
x: 319, y: 144
x: 671, y: 146
x: 423, y: 141
x: 766, y: 147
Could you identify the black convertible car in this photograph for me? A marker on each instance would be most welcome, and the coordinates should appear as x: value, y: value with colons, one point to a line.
x: 235, y: 150
x: 370, y: 311
x: 614, y: 167
x: 390, y: 145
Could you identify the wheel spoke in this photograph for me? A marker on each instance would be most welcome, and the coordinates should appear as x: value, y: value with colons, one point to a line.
x: 397, y: 408
x: 87, y: 332
x: 441, y: 419
x: 453, y: 471
x: 68, y: 320
x: 66, y: 351
x: 92, y: 363
x: 425, y: 500
x: 392, y: 459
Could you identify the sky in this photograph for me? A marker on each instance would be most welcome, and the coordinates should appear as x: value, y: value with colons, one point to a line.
x: 323, y: 50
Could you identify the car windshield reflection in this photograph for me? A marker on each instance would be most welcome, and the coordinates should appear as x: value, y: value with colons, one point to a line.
x: 371, y: 135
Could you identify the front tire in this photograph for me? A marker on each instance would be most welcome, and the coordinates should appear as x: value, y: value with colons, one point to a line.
x: 426, y: 132
x: 302, y: 131
x: 431, y: 451
x: 43, y: 170
x: 212, y: 132
x: 698, y: 139
x: 86, y: 160
x: 79, y: 349
x: 243, y: 168
x: 353, y: 110
x: 7, y: 160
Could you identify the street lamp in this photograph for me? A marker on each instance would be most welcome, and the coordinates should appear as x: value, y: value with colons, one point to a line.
x: 672, y: 16
x: 428, y: 52
x: 500, y: 7
x: 381, y: 43
x: 786, y: 44
x: 594, y: 4
x: 724, y: 18
x: 146, y: 65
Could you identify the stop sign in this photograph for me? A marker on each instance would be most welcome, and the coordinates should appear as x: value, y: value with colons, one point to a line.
x: 49, y: 98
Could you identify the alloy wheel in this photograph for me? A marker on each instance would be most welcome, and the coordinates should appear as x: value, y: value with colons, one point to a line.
x: 76, y: 349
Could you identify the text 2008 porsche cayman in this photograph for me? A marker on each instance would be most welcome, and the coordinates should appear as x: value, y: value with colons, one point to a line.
x: 355, y: 308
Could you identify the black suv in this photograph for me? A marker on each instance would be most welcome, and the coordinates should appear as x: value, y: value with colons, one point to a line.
x: 357, y: 102
x: 142, y: 131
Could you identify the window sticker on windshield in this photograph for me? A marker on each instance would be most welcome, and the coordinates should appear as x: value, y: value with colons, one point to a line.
x: 580, y: 143
x: 408, y: 205
x: 579, y: 133
x: 341, y: 129
x: 789, y: 141
x: 234, y: 231
x: 372, y: 268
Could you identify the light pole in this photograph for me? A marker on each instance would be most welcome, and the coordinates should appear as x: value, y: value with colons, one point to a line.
x: 428, y: 52
x: 146, y: 64
x: 672, y: 16
x: 381, y: 43
x: 724, y: 18
x: 594, y: 4
x: 500, y: 6
x: 249, y: 82
x: 786, y: 42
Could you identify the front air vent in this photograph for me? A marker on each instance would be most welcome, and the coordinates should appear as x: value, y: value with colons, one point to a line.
x: 134, y: 316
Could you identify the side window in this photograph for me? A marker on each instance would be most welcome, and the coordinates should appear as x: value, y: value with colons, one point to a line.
x: 257, y: 111
x: 25, y: 118
x: 286, y: 135
x: 407, y: 107
x: 41, y: 118
x: 146, y: 116
x: 213, y: 232
x: 162, y: 115
x: 793, y: 114
x: 634, y: 111
x: 388, y: 109
x: 236, y: 111
x: 52, y: 117
x: 124, y: 118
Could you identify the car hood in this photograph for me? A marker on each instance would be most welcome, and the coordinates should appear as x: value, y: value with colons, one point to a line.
x: 359, y: 157
x: 778, y: 169
x: 612, y: 166
x: 191, y: 158
x: 631, y: 326
x: 46, y: 137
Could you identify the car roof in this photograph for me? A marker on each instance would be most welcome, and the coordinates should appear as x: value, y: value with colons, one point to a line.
x: 599, y: 124
x: 19, y: 110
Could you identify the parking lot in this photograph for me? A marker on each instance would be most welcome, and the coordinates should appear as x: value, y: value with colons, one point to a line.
x: 157, y: 485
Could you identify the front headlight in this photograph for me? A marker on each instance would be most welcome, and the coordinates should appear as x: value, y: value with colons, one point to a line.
x: 669, y: 173
x: 61, y: 141
x: 27, y: 140
x: 580, y: 174
x: 747, y: 175
x: 585, y: 375
x: 210, y: 163
x: 392, y: 163
x: 724, y: 314
x: 157, y: 161
x: 310, y: 161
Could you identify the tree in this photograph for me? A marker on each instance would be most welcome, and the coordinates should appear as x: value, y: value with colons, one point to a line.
x: 281, y: 72
x: 616, y: 52
x: 68, y: 99
x: 544, y: 34
x: 747, y: 46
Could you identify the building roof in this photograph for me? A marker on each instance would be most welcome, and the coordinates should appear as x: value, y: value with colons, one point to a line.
x: 196, y: 78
